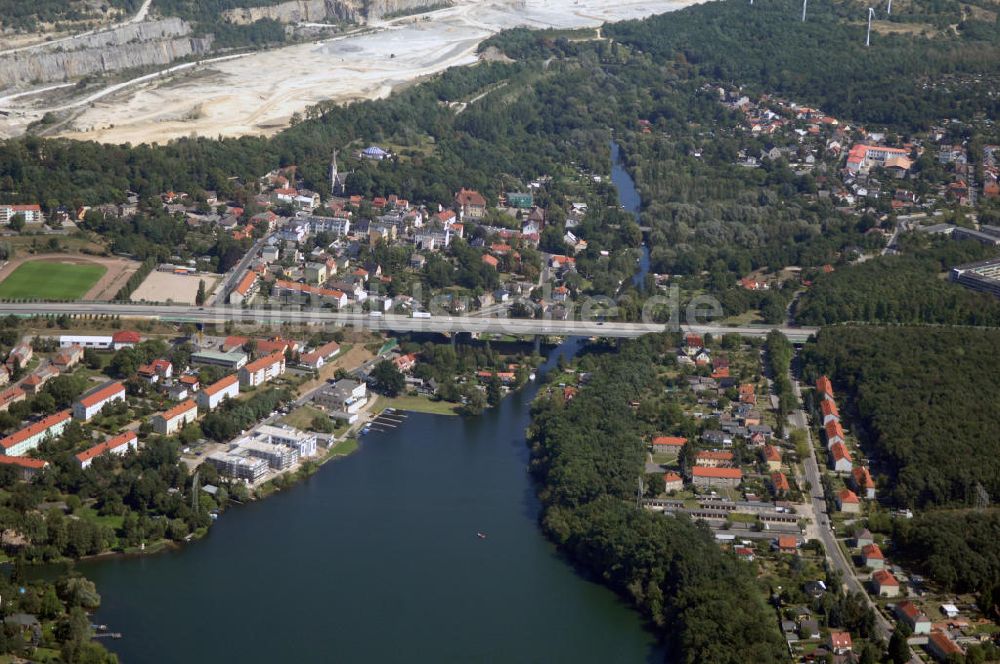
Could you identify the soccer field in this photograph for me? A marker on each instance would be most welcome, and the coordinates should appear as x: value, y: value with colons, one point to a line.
x: 47, y: 280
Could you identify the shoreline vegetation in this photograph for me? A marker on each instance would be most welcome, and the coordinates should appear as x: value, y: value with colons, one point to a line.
x: 587, y: 454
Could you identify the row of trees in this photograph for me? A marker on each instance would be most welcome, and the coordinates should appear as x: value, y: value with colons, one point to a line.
x: 587, y: 455
x: 779, y: 360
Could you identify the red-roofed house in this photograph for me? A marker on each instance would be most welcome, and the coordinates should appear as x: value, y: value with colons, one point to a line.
x: 871, y: 556
x: 716, y: 477
x: 672, y: 482
x: 780, y: 484
x: 156, y: 370
x: 225, y: 388
x: 405, y: 363
x: 787, y: 544
x: 11, y: 395
x: 840, y: 458
x: 24, y: 440
x: 27, y: 466
x: 263, y: 370
x: 125, y: 339
x: 834, y: 433
x: 288, y: 289
x: 92, y: 403
x: 32, y: 213
x: 34, y: 383
x: 68, y: 357
x: 863, y: 483
x: 884, y: 584
x: 169, y: 421
x: 491, y: 261
x: 824, y: 387
x: 232, y: 343
x: 712, y: 459
x: 848, y: 502
x: 772, y: 456
x: 470, y: 204
x: 245, y: 289
x: 840, y: 642
x: 942, y: 647
x: 668, y: 444
x: 275, y: 345
x: 829, y: 412
x: 319, y: 357
x: 191, y: 381
x: 118, y: 445
x: 915, y: 619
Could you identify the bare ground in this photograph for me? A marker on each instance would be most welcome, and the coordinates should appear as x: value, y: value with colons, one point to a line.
x: 257, y: 94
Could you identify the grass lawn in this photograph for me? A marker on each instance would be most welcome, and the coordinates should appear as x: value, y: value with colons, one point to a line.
x: 47, y: 280
x: 302, y: 417
x: 418, y: 404
x: 90, y: 514
x: 344, y: 447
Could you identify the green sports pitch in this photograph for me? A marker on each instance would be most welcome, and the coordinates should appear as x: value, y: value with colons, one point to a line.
x: 49, y: 280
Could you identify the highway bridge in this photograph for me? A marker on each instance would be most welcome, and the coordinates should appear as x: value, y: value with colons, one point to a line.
x: 387, y: 322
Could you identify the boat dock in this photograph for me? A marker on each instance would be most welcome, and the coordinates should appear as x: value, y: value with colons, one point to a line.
x: 386, y: 420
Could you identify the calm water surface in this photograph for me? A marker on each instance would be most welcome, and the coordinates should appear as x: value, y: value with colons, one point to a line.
x: 375, y: 558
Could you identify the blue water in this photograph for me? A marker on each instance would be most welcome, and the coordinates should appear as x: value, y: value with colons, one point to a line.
x: 629, y: 199
x: 376, y: 559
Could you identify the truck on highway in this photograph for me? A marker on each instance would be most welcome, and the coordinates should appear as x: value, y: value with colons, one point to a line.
x: 420, y: 314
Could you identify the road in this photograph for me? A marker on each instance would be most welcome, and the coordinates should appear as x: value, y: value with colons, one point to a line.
x: 816, y: 510
x: 111, y: 89
x: 232, y: 278
x: 389, y: 322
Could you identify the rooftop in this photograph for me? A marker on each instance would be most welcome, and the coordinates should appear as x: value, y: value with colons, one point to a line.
x: 265, y: 362
x: 108, y: 445
x: 34, y: 429
x: 221, y: 384
x: 179, y: 409
x: 718, y: 473
x: 102, y: 394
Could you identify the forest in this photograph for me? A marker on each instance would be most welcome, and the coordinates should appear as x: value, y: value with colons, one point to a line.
x: 917, y: 398
x: 767, y: 48
x: 906, y: 289
x: 587, y: 457
x: 957, y: 548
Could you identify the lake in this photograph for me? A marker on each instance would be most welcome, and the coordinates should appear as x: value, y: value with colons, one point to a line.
x: 376, y: 558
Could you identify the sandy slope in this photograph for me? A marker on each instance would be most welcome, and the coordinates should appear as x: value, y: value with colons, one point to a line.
x: 258, y: 93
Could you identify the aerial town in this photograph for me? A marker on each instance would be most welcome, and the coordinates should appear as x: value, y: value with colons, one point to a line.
x: 643, y: 331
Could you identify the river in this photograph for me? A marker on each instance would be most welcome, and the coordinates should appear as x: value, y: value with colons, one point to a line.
x: 629, y: 199
x: 376, y: 558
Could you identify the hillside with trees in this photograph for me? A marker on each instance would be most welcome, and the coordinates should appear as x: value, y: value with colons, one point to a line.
x: 587, y: 456
x: 918, y: 401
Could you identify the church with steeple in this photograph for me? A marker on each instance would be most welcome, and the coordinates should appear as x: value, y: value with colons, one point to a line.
x: 337, y: 181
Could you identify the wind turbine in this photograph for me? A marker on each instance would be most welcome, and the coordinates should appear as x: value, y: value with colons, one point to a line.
x: 868, y: 37
x: 804, y: 3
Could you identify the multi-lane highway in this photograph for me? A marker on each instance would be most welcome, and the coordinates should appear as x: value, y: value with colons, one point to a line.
x: 395, y: 323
